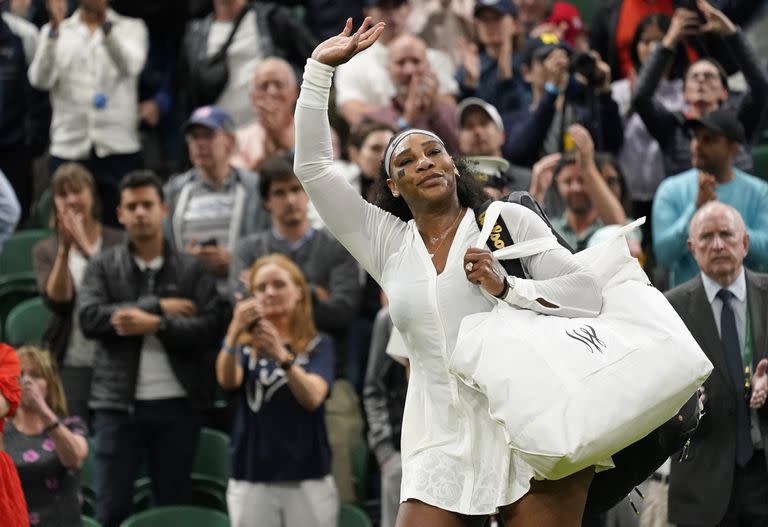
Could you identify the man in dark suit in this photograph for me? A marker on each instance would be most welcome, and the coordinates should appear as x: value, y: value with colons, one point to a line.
x: 723, y: 480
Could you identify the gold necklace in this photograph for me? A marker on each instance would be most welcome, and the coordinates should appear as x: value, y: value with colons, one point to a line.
x: 441, y: 239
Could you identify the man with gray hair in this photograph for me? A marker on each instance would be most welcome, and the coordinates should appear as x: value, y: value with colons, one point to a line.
x: 724, y: 478
x: 274, y: 91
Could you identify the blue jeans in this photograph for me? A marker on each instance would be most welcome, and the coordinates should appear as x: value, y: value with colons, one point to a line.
x: 166, y: 432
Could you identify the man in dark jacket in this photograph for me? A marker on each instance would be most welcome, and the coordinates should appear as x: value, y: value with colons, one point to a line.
x: 25, y: 113
x: 558, y: 100
x: 705, y: 89
x: 158, y: 319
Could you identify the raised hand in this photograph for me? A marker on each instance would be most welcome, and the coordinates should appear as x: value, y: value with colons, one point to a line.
x: 542, y: 173
x: 57, y: 11
x: 584, y: 144
x: 716, y: 19
x: 339, y: 49
x: 685, y: 23
x: 759, y: 385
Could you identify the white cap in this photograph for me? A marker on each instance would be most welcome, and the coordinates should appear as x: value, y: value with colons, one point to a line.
x: 471, y: 102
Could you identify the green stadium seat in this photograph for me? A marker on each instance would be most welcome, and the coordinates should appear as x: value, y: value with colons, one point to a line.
x: 14, y: 289
x: 178, y: 516
x: 760, y: 161
x: 361, y: 472
x: 212, y: 462
x: 351, y: 516
x: 86, y: 521
x: 26, y: 323
x: 16, y: 255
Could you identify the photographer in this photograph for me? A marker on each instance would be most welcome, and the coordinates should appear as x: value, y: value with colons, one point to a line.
x: 565, y: 90
x: 705, y: 87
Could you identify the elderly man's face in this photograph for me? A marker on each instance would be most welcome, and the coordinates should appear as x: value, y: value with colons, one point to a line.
x: 274, y: 84
x: 719, y: 243
x: 407, y: 58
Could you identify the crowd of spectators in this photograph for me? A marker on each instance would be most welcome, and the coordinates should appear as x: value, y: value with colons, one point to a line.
x: 184, y: 250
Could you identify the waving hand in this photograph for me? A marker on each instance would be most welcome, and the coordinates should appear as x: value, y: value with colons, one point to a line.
x: 339, y: 49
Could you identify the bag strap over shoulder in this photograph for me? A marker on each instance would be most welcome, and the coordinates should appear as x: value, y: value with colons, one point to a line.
x: 235, y: 26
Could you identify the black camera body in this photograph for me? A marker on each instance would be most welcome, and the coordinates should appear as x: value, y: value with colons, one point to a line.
x: 585, y: 65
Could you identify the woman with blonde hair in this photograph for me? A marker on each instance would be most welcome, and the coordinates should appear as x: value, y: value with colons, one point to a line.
x: 47, y: 447
x: 282, y: 369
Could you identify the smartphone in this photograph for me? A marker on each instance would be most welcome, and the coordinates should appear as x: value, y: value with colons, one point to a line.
x: 211, y: 242
x: 693, y: 6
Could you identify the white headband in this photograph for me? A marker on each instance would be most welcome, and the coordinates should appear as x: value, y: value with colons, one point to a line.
x: 398, y: 139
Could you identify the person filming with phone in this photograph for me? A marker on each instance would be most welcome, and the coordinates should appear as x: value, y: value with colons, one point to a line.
x: 705, y: 86
x: 281, y: 369
x: 213, y: 204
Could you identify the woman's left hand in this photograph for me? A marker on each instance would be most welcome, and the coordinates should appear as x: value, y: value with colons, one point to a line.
x: 484, y: 270
x: 266, y: 340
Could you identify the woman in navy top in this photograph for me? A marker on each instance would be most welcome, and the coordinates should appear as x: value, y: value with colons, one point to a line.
x: 282, y: 369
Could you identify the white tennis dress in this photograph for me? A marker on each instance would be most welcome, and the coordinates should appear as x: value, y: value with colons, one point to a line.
x: 454, y: 456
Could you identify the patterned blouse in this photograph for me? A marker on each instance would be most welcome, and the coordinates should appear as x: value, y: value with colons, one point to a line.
x: 52, y: 491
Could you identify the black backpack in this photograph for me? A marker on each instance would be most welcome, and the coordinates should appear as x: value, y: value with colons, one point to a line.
x: 635, y: 463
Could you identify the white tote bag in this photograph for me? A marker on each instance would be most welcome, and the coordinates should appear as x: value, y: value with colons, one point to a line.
x: 570, y: 392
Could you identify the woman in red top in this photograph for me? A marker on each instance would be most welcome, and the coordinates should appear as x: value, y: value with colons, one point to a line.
x: 13, y: 508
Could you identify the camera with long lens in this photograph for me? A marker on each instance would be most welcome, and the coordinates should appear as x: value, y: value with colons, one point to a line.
x: 584, y: 66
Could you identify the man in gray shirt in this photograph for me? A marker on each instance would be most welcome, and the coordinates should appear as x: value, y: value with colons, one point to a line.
x: 213, y: 205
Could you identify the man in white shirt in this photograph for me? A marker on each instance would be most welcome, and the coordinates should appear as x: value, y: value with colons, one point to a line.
x: 363, y: 84
x: 261, y: 30
x: 90, y: 63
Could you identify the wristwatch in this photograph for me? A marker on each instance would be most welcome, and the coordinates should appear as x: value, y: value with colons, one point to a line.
x: 286, y: 364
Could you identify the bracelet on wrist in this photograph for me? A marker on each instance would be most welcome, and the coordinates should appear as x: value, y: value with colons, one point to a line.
x: 229, y: 350
x: 51, y: 427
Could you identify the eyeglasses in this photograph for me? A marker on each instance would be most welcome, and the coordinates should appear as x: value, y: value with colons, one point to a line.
x: 703, y: 76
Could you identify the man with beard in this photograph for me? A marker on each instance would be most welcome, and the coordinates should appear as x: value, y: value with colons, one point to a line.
x: 589, y: 202
x: 717, y: 137
x: 416, y: 103
x: 481, y: 135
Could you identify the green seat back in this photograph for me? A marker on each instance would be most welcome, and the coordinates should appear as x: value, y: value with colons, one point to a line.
x: 351, y: 516
x: 14, y: 289
x: 86, y: 521
x: 16, y: 255
x: 360, y: 471
x: 42, y: 210
x: 178, y: 516
x: 26, y: 323
x: 212, y: 458
x: 760, y: 161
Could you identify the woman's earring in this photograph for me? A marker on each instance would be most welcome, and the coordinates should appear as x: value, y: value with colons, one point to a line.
x: 395, y: 193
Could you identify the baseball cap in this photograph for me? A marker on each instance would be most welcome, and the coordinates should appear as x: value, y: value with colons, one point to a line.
x: 475, y: 102
x: 567, y: 13
x: 488, y: 170
x: 211, y: 117
x: 504, y: 7
x: 541, y: 46
x: 723, y: 122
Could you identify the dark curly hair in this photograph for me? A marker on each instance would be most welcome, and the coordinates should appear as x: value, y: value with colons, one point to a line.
x: 470, y: 192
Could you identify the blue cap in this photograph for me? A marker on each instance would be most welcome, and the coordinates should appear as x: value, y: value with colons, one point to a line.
x: 504, y: 7
x: 211, y: 117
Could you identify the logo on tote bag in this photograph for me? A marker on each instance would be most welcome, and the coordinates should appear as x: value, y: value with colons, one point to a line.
x: 587, y: 335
